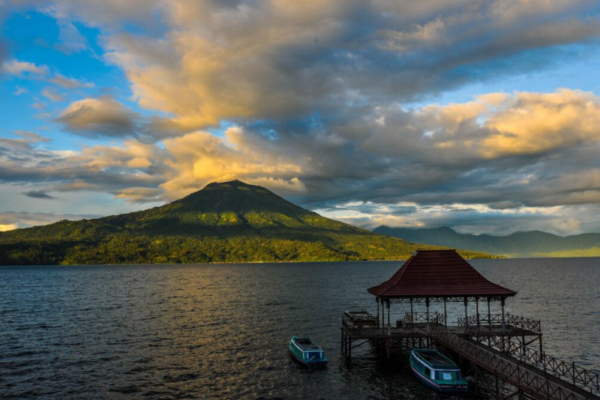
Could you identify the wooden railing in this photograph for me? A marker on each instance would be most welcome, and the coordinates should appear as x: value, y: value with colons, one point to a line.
x: 432, y: 317
x: 515, y: 373
x: 496, y: 319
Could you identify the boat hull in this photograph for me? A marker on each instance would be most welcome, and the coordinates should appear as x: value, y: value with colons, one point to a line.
x: 439, y: 387
x: 430, y: 372
x: 312, y: 364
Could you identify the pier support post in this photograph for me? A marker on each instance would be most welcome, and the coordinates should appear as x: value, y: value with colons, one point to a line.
x: 489, y: 313
x: 427, y: 313
x: 502, y: 301
x: 377, y: 300
x: 477, y: 309
x: 350, y: 349
x: 497, y: 388
x: 466, y: 312
x: 388, y: 311
x: 387, y: 347
x: 382, y: 314
x: 445, y: 313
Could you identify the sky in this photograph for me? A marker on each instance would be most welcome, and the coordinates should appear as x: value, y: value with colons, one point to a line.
x: 481, y: 115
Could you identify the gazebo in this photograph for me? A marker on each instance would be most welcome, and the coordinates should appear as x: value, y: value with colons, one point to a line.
x: 440, y: 276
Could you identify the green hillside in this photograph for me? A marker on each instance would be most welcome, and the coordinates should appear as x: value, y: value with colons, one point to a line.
x: 224, y: 222
x: 518, y: 244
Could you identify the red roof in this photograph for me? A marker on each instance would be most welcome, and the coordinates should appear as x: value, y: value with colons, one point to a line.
x: 438, y: 273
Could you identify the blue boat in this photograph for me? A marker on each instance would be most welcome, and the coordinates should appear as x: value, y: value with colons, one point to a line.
x: 304, y: 351
x: 437, y: 371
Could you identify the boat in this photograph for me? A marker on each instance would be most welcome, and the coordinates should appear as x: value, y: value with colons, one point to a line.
x: 307, y: 353
x: 437, y: 371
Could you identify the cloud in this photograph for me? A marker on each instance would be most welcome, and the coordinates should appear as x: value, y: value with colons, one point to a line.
x: 141, y: 195
x: 99, y: 168
x: 69, y: 83
x: 271, y: 60
x: 103, y: 116
x: 8, y: 227
x: 52, y: 94
x: 106, y: 117
x: 110, y: 14
x: 70, y: 40
x: 25, y: 69
x: 471, y: 218
x: 507, y: 151
x: 36, y: 194
x: 14, y: 220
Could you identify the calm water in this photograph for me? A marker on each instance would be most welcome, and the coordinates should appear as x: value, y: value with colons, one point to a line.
x: 221, y: 331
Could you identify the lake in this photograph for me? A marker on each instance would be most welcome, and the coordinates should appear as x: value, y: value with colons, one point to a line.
x: 221, y: 331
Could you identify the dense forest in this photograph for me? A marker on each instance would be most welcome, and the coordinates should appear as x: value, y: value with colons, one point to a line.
x: 226, y: 222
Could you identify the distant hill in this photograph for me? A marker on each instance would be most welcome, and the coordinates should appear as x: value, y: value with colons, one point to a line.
x: 519, y: 244
x: 224, y: 222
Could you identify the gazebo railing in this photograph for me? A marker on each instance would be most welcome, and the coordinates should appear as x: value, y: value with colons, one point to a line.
x: 483, y: 320
x: 422, y: 317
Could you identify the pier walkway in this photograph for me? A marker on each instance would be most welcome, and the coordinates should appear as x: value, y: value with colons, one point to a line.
x: 531, y: 372
x: 543, y: 378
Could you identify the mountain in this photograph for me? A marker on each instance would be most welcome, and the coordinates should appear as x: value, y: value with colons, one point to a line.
x: 518, y: 244
x: 224, y: 222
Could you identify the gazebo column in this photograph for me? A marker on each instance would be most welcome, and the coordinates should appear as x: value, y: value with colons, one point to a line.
x: 388, y: 311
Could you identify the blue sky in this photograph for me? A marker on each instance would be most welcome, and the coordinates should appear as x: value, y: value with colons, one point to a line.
x: 476, y: 115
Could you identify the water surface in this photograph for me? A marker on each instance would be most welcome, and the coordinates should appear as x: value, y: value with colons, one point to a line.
x: 221, y: 331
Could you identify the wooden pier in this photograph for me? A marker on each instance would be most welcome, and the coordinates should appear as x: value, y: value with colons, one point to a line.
x: 497, y: 350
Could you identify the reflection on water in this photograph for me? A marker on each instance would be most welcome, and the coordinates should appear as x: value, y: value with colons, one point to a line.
x: 221, y: 331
